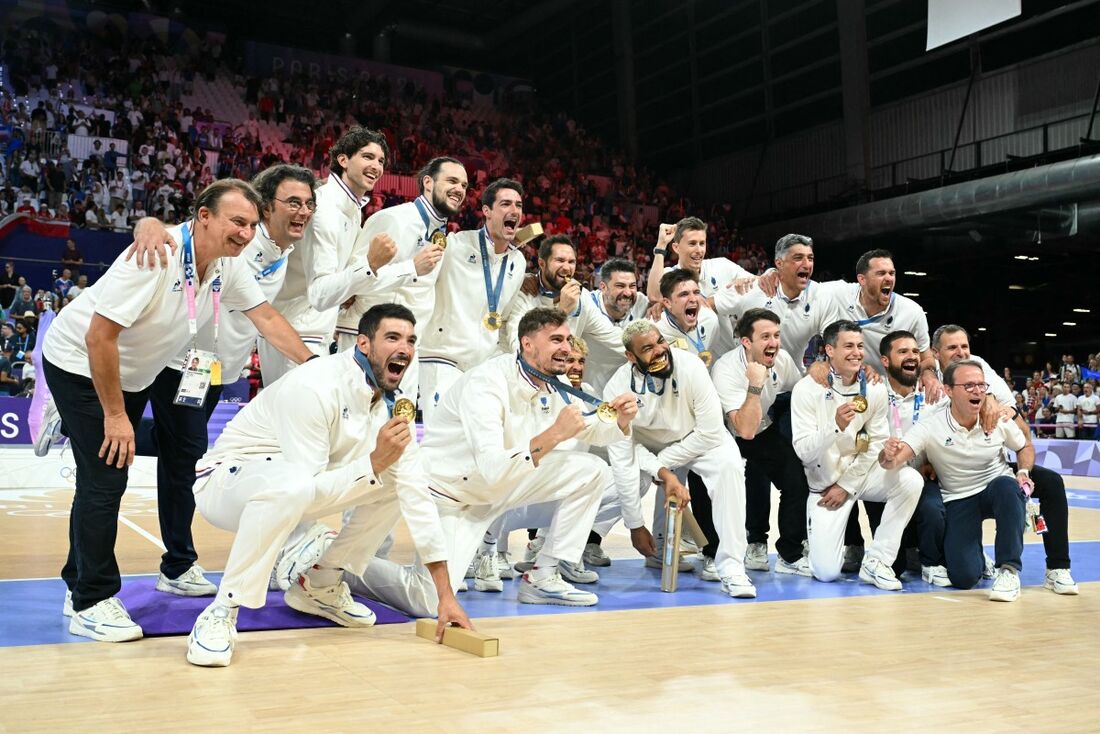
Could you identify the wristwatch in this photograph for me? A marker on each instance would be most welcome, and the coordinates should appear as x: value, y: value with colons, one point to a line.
x: 660, y: 251
x: 755, y: 390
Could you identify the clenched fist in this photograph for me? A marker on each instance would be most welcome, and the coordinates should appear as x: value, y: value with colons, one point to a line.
x: 569, y: 423
x: 382, y: 249
x: 757, y: 374
x: 665, y: 234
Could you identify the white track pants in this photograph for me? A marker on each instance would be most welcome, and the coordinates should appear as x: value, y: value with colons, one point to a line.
x: 900, y: 489
x: 566, y: 491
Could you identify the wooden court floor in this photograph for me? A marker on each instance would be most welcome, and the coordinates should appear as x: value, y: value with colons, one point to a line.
x: 892, y: 663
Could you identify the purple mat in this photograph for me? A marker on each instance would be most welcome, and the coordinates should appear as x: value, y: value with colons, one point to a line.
x: 161, y: 614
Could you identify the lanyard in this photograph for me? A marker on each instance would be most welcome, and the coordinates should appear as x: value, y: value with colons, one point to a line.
x: 428, y: 228
x: 189, y: 289
x: 492, y: 294
x: 696, y: 341
x: 368, y: 372
x: 563, y: 389
x: 918, y: 400
x: 271, y: 268
x: 647, y: 384
x: 873, y: 319
x: 862, y: 382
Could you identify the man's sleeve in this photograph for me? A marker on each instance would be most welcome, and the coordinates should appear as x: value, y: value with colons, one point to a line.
x: 709, y: 429
x: 482, y: 414
x: 332, y: 282
x: 417, y: 506
x: 809, y: 439
x: 730, y: 382
x: 127, y: 291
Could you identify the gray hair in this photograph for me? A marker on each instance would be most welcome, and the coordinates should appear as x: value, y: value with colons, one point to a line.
x: 949, y: 373
x: 787, y: 241
x: 637, y: 328
x: 947, y: 330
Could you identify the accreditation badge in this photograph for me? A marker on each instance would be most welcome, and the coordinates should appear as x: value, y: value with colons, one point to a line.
x: 197, y: 377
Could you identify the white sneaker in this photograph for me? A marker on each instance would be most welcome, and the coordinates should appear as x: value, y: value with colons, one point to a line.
x: 873, y: 571
x: 553, y: 590
x: 534, y: 547
x: 107, y: 621
x: 67, y: 607
x: 756, y: 557
x: 1060, y: 582
x: 300, y: 557
x: 935, y: 575
x: 739, y: 587
x: 49, y: 430
x: 504, y: 566
x: 486, y: 577
x: 594, y: 556
x: 685, y: 566
x: 330, y: 602
x: 990, y: 570
x: 213, y: 637
x: 801, y: 567
x: 706, y: 571
x: 189, y: 583
x: 462, y: 587
x: 853, y: 558
x: 1006, y: 585
x: 577, y: 573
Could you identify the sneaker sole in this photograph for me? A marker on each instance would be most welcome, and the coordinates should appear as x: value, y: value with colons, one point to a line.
x: 75, y: 628
x: 579, y: 580
x: 523, y: 566
x: 597, y: 562
x: 49, y: 435
x: 307, y: 608
x: 1063, y: 590
x: 999, y: 596
x: 489, y: 586
x: 708, y: 577
x: 873, y: 581
x: 528, y: 598
x: 207, y: 659
x: 741, y: 593
x: 757, y: 566
x: 168, y: 588
x: 685, y: 566
x: 792, y: 572
x: 937, y: 583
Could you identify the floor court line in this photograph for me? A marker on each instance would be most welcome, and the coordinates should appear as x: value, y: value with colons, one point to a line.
x: 141, y: 531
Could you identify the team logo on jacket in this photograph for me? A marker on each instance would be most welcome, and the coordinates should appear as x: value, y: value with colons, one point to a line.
x: 177, y: 286
x: 639, y: 402
x: 949, y: 441
x: 345, y: 413
x: 259, y: 257
x: 675, y: 388
x: 828, y: 394
x: 545, y: 402
x: 472, y: 258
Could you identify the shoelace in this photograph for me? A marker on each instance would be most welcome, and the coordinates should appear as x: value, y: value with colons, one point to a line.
x: 115, y: 610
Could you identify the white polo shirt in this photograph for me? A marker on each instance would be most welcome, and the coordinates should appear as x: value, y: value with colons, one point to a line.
x: 236, y: 332
x: 455, y: 333
x: 151, y: 307
x: 715, y: 274
x: 901, y: 313
x: 679, y: 419
x: 1066, y: 401
x: 801, y: 318
x: 965, y: 460
x: 1087, y: 403
x: 602, y: 359
x: 705, y: 333
x: 732, y: 383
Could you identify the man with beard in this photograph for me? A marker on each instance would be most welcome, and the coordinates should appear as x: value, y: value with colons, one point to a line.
x: 688, y: 239
x: 419, y: 228
x: 686, y: 324
x: 747, y: 380
x: 678, y: 429
x: 496, y: 443
x: 475, y: 293
x: 950, y: 344
x: 838, y: 431
x: 553, y: 286
x: 324, y: 274
x: 620, y: 303
x: 976, y: 481
x: 320, y: 441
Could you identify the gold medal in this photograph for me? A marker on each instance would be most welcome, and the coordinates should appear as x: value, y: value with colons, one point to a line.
x: 859, y: 403
x: 707, y: 357
x: 439, y: 239
x: 404, y: 408
x: 863, y: 441
x: 680, y: 343
x: 658, y: 364
x: 606, y: 413
x: 492, y: 321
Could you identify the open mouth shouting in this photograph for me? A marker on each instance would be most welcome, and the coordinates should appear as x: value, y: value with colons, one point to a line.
x: 769, y: 356
x: 691, y: 315
x: 803, y: 275
x: 510, y: 225
x: 394, y: 370
x: 296, y: 229
x: 909, y: 367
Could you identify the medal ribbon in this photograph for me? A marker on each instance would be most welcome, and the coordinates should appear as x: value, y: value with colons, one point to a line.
x: 863, y: 383
x: 563, y: 389
x: 697, y: 342
x: 429, y: 230
x: 189, y: 289
x: 647, y: 384
x: 873, y: 319
x: 271, y: 268
x: 492, y: 295
x: 368, y: 372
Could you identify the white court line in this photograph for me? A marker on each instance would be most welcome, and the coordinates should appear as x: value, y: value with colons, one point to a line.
x: 141, y: 531
x: 947, y: 598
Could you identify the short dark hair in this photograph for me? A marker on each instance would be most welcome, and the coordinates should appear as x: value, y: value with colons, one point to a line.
x: 863, y: 264
x: 212, y: 195
x: 747, y: 324
x: 352, y: 141
x: 947, y: 330
x: 617, y: 265
x: 489, y: 195
x: 888, y: 340
x: 832, y: 331
x: 546, y: 247
x: 537, y: 318
x: 267, y: 181
x: 951, y: 369
x: 369, y: 322
x: 688, y: 224
x: 673, y: 278
x: 432, y: 169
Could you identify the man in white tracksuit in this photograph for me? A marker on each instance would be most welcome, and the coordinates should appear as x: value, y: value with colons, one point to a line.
x: 838, y: 432
x: 686, y: 322
x: 620, y: 303
x: 481, y: 273
x: 319, y: 441
x: 678, y: 429
x: 322, y: 276
x: 493, y: 446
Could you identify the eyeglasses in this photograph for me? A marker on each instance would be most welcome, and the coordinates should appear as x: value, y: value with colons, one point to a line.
x: 295, y: 204
x: 973, y: 386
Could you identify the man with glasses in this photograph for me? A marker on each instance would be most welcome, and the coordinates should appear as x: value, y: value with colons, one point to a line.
x: 975, y: 480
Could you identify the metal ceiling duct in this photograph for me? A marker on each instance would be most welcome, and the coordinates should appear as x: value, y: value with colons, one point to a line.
x: 1063, y: 182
